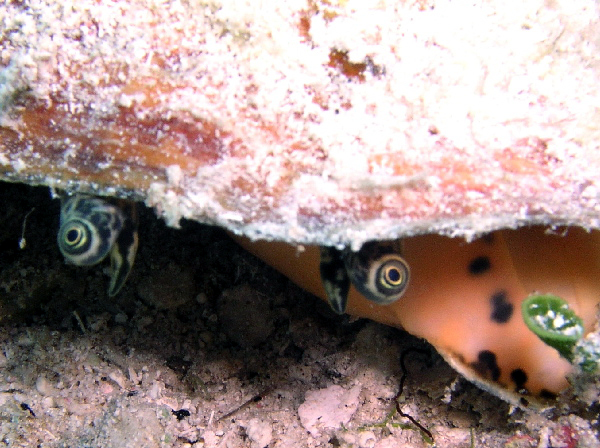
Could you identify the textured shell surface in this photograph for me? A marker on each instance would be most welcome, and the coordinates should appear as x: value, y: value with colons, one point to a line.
x: 329, y: 123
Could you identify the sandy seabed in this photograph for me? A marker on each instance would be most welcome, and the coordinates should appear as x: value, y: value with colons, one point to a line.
x: 207, y: 347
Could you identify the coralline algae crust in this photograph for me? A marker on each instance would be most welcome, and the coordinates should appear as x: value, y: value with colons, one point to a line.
x: 310, y: 122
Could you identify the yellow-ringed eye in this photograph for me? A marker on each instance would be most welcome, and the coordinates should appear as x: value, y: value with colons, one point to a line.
x: 92, y: 228
x: 88, y: 229
x: 388, y: 278
x: 75, y: 236
x: 392, y: 275
x: 378, y: 271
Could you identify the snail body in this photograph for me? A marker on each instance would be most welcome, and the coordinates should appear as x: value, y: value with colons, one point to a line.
x: 465, y: 299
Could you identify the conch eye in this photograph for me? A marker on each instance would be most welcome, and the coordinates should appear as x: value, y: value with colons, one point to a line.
x: 75, y: 236
x: 88, y: 229
x: 393, y: 274
x: 390, y: 278
x: 378, y: 271
x: 91, y: 228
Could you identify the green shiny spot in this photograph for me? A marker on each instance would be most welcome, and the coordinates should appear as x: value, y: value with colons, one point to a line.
x: 554, y: 322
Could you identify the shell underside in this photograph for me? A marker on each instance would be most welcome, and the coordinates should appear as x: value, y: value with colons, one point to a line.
x: 284, y: 126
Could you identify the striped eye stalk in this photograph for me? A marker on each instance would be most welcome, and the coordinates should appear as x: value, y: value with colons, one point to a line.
x: 377, y: 271
x: 91, y: 228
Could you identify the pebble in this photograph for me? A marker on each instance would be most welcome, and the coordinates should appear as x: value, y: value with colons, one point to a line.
x: 121, y: 318
x: 118, y: 377
x: 259, y: 432
x: 366, y: 439
x: 245, y: 316
x: 168, y: 288
x: 44, y: 386
x: 331, y: 407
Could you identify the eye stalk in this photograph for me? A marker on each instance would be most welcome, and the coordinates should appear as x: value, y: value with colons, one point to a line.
x: 91, y: 228
x: 377, y: 271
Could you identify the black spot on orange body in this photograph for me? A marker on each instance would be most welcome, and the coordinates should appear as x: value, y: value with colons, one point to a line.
x: 502, y: 309
x: 544, y: 393
x: 487, y: 365
x: 480, y: 265
x: 520, y: 378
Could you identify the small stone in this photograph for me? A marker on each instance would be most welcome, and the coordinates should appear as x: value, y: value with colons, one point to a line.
x: 118, y: 377
x: 202, y: 298
x: 48, y: 403
x: 143, y: 323
x: 154, y: 391
x: 366, y: 439
x: 331, y: 407
x: 210, y: 438
x: 207, y: 337
x: 259, y: 431
x: 98, y: 322
x: 106, y: 388
x: 121, y: 318
x: 44, y: 386
x: 168, y: 288
x: 133, y: 376
x: 245, y: 316
x: 24, y: 340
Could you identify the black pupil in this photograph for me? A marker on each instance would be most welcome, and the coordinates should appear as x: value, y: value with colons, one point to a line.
x: 393, y: 275
x: 72, y: 235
